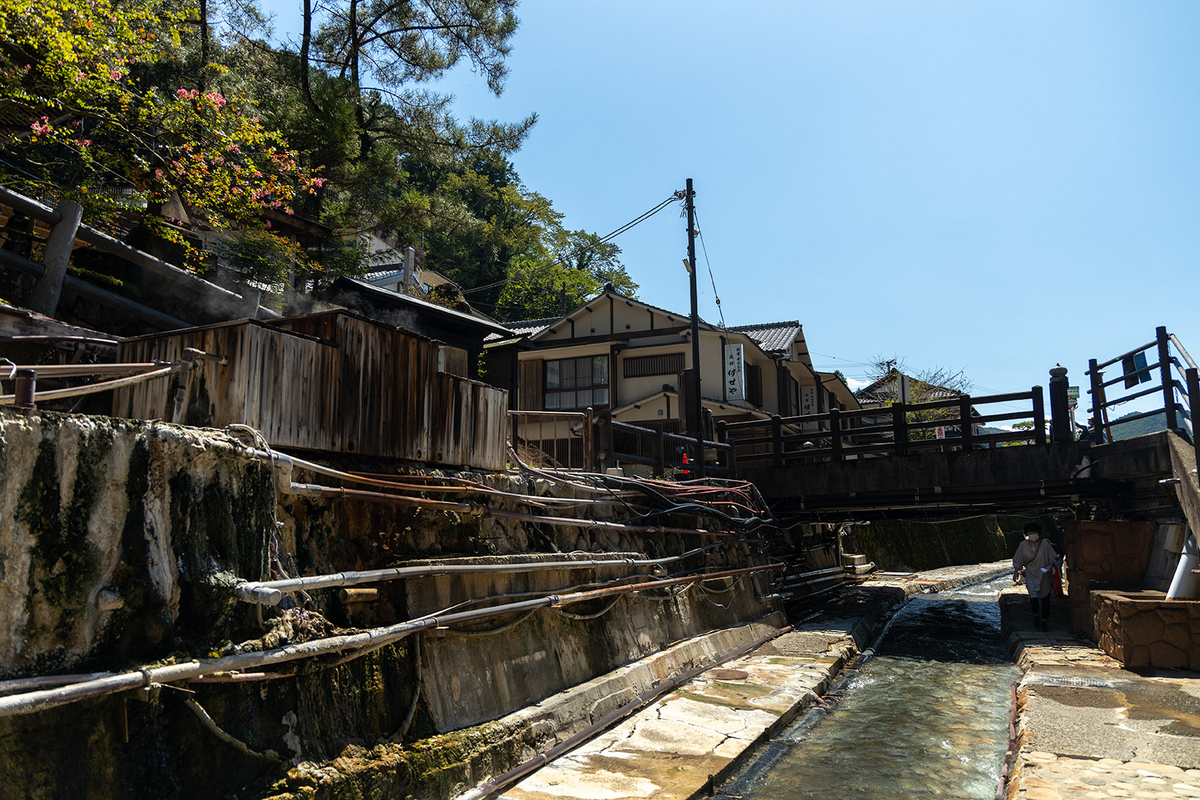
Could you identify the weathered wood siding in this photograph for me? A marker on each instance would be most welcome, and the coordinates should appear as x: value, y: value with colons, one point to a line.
x: 331, y: 382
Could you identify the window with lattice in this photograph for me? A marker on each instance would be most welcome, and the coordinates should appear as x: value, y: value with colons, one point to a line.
x: 576, y: 382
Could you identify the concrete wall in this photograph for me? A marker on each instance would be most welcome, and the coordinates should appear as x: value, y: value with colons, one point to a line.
x: 906, y: 546
x: 118, y: 538
x: 505, y: 664
x: 120, y: 542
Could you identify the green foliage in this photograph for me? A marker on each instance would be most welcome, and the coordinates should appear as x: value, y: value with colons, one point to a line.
x: 105, y: 119
x: 157, y: 108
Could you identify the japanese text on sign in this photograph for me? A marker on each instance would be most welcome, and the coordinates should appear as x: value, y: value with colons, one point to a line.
x: 734, y: 378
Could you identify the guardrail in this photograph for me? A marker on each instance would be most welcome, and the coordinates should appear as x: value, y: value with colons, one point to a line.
x: 592, y: 440
x: 663, y: 445
x: 899, y: 429
x: 1180, y: 400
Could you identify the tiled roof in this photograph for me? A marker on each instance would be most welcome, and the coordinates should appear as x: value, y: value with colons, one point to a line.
x: 528, y: 327
x: 379, y: 275
x: 773, y: 337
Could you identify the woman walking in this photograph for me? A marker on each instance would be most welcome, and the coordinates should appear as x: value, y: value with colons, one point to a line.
x: 1037, y: 556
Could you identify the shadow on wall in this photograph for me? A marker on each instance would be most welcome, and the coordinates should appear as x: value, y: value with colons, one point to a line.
x: 901, y: 545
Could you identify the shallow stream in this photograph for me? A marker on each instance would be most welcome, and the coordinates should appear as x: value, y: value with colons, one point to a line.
x: 926, y: 717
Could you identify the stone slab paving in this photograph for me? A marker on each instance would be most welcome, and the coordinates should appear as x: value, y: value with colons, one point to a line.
x: 1088, y: 728
x: 671, y: 748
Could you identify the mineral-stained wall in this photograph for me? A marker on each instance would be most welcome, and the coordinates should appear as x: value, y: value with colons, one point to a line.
x: 117, y: 537
x: 120, y: 543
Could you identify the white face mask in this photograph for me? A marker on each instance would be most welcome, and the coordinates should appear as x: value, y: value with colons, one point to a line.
x: 1033, y: 537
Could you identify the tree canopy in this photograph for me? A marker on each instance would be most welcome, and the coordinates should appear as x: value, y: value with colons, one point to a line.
x: 148, y: 109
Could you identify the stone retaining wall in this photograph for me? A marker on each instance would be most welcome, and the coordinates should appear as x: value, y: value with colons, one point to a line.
x: 1103, y: 555
x: 120, y: 542
x: 1144, y: 630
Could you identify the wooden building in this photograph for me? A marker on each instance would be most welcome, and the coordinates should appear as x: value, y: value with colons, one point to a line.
x: 331, y: 382
x: 618, y: 353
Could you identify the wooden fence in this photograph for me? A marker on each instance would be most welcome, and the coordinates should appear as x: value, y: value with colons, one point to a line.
x: 900, y: 429
x: 1180, y: 400
x: 554, y: 439
x: 330, y: 382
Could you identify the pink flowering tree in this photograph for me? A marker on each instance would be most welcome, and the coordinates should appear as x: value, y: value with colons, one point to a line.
x: 81, y: 117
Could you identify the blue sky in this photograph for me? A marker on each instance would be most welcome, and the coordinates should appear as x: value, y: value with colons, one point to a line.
x: 985, y: 186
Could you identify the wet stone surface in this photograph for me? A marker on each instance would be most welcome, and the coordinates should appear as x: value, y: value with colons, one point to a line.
x: 1090, y: 729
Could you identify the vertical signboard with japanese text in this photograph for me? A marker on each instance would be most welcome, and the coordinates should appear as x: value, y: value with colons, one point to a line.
x: 808, y: 400
x: 735, y: 381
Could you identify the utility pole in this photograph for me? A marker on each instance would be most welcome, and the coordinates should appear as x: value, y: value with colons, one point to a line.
x: 697, y: 406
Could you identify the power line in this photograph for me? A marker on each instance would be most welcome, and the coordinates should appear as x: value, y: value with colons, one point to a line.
x: 675, y: 196
x: 707, y: 263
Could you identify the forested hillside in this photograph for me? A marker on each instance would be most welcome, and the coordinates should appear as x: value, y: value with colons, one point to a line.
x: 185, y: 123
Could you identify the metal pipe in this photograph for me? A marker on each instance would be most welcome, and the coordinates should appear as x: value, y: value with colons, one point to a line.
x: 105, y: 386
x: 470, y: 488
x: 81, y: 370
x: 481, y: 510
x: 270, y: 592
x: 1182, y: 352
x: 32, y: 702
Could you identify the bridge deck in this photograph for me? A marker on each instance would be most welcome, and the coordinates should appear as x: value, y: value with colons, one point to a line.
x: 1125, y: 474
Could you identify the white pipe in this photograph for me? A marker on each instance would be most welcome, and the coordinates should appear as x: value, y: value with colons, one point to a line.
x: 1186, y: 584
x: 32, y: 702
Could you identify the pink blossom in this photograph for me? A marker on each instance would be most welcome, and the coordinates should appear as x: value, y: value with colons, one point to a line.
x: 215, y: 98
x: 114, y: 74
x: 318, y: 182
x: 41, y: 126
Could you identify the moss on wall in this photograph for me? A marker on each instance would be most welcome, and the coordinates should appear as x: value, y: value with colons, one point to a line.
x: 910, y: 545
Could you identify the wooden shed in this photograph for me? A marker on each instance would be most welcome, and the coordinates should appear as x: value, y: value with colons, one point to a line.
x: 331, y: 382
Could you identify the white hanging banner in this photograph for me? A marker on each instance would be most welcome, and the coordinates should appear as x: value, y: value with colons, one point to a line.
x: 735, y: 381
x: 808, y: 399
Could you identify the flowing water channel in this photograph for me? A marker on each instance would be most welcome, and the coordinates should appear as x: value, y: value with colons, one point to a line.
x: 926, y: 717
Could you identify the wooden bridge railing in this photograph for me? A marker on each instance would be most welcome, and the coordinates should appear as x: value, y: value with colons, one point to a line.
x: 1180, y: 399
x: 589, y: 440
x: 900, y: 429
x: 668, y: 449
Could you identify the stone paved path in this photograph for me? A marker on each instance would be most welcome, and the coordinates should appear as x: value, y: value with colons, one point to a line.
x: 669, y: 749
x: 1090, y: 729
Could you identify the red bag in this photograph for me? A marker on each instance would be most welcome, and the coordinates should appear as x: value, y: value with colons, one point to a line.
x: 1056, y: 581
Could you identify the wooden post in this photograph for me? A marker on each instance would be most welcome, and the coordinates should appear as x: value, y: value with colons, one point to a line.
x: 589, y: 440
x: 1060, y: 408
x: 899, y: 429
x: 660, y: 451
x: 966, y: 429
x: 835, y: 433
x: 1097, y: 378
x: 25, y: 389
x: 776, y: 440
x: 1164, y: 368
x: 722, y: 437
x: 46, y: 289
x: 1039, y: 415
x: 607, y: 459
